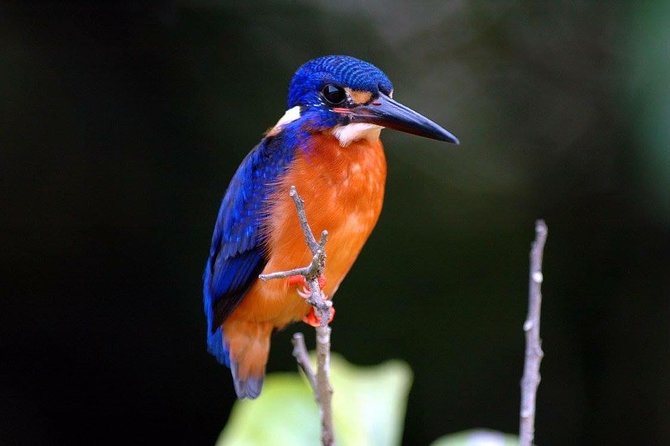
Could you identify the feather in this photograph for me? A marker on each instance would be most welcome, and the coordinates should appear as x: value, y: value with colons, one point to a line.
x: 237, y: 253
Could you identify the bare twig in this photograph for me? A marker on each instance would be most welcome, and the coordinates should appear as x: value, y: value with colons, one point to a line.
x: 320, y: 383
x: 302, y: 358
x: 302, y: 217
x: 534, y: 353
x: 325, y: 390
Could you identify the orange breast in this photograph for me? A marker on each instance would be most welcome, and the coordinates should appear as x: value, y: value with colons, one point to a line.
x: 343, y: 190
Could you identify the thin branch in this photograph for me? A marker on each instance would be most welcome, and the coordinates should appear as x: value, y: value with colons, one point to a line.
x: 306, y: 230
x: 310, y: 272
x: 320, y: 382
x: 324, y: 388
x: 534, y: 353
x: 302, y: 358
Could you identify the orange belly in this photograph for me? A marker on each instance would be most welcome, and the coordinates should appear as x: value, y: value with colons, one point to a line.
x: 343, y: 190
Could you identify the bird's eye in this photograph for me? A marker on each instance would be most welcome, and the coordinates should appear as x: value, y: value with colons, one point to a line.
x: 333, y: 94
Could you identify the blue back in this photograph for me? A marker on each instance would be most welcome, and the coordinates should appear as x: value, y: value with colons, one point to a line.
x: 237, y: 254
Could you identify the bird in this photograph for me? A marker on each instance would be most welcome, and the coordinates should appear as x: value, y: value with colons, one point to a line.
x: 327, y: 145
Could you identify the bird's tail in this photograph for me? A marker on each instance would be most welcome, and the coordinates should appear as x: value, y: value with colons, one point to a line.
x: 248, y: 345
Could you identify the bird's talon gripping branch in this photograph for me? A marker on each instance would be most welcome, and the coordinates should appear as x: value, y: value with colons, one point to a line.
x: 305, y: 293
x: 314, y: 320
x: 300, y: 282
x: 296, y: 280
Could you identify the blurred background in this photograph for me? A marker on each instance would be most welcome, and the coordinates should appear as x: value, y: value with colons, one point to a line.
x: 122, y: 123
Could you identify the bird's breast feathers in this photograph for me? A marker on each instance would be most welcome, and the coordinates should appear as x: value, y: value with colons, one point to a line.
x: 343, y: 190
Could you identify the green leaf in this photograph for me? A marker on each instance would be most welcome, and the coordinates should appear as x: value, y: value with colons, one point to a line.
x: 477, y: 437
x: 368, y: 408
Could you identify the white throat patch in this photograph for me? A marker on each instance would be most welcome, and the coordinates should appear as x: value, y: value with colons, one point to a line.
x: 349, y: 133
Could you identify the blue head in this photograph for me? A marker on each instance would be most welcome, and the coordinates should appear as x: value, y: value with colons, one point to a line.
x: 344, y: 71
x: 332, y: 92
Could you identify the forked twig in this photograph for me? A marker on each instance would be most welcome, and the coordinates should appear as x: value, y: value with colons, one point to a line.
x: 320, y: 382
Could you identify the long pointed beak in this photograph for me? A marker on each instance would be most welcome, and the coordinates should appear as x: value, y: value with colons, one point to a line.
x: 386, y: 112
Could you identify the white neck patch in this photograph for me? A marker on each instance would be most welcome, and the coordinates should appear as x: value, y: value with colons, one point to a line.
x: 292, y: 114
x: 349, y: 133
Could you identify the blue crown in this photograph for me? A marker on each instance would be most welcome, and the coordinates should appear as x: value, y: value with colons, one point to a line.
x: 345, y: 71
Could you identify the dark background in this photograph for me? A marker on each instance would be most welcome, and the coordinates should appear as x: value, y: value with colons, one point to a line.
x: 122, y: 123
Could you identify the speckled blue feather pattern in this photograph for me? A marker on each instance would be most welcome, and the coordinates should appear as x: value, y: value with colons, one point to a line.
x: 344, y: 71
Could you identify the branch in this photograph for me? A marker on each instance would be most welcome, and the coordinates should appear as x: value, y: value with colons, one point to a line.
x: 302, y: 358
x: 534, y: 353
x: 320, y: 383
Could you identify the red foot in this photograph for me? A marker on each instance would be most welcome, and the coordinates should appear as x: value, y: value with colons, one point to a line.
x: 312, y: 319
x: 301, y: 282
x: 296, y: 281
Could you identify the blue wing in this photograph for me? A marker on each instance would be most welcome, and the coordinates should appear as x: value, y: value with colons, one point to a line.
x: 237, y: 254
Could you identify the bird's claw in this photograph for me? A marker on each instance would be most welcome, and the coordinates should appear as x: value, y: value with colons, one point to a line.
x: 304, y: 290
x: 312, y: 319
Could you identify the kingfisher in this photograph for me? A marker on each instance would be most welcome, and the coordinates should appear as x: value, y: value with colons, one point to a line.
x: 326, y: 145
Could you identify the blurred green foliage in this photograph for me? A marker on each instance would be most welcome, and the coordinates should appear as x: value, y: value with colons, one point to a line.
x: 477, y: 437
x: 368, y: 408
x: 649, y: 90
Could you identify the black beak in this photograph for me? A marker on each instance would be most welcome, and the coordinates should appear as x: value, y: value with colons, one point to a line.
x: 386, y: 112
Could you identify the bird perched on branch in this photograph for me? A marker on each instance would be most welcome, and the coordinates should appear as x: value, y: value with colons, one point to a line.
x: 327, y: 146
